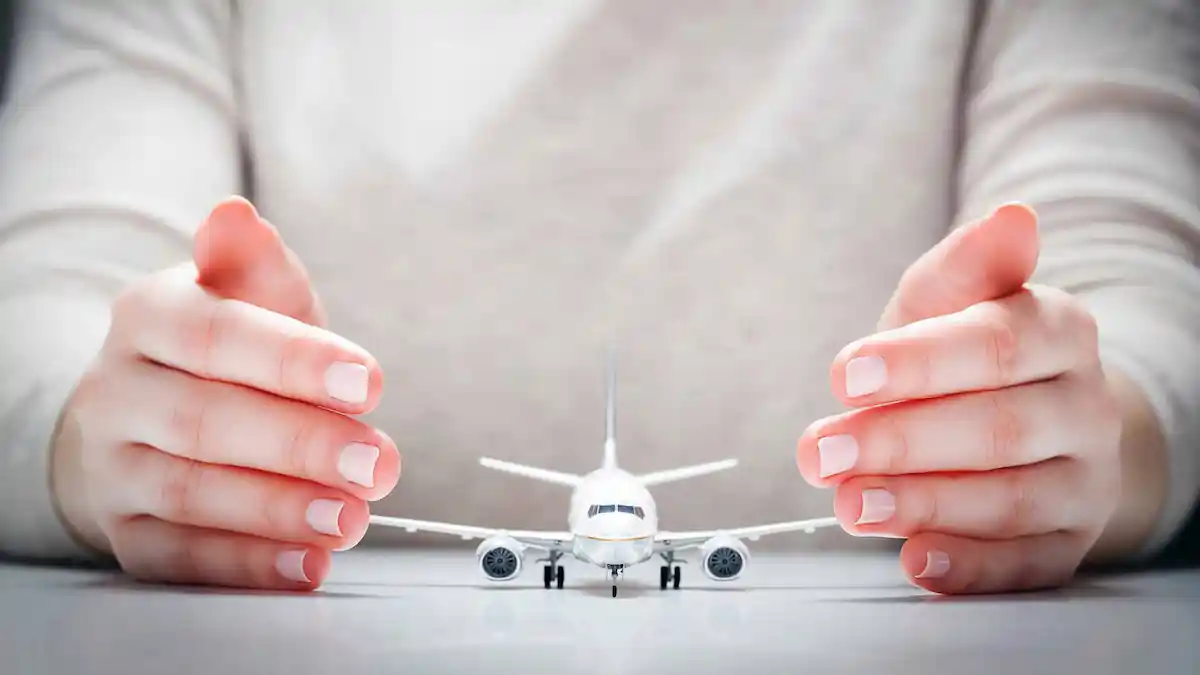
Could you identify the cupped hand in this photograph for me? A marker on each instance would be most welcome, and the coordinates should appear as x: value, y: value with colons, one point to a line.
x: 981, y: 428
x: 212, y: 440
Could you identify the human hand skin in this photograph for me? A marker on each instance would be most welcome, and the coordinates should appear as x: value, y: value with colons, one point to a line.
x: 983, y: 427
x: 211, y: 442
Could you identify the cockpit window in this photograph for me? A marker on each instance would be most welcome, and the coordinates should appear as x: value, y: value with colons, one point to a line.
x: 618, y: 508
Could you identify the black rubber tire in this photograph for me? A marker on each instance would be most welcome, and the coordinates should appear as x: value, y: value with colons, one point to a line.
x: 675, y: 579
x: 547, y: 575
x: 614, y: 590
x: 561, y: 576
x: 664, y: 577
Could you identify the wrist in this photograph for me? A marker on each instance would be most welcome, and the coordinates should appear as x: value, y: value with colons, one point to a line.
x: 1143, y: 471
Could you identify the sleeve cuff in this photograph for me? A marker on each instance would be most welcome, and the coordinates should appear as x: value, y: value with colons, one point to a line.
x: 1163, y: 362
x: 29, y: 521
x: 68, y: 334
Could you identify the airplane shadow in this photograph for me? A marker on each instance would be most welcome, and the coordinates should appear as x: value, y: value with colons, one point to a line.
x: 593, y: 588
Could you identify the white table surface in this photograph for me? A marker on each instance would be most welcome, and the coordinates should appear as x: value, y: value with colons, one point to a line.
x: 423, y: 611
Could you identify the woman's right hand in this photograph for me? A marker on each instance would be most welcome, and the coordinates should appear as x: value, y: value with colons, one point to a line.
x: 211, y: 441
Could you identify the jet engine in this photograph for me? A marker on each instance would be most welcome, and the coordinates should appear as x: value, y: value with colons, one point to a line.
x: 724, y: 558
x: 501, y: 558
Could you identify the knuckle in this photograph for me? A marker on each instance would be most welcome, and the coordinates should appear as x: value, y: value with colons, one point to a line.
x: 181, y: 489
x: 296, y: 457
x: 213, y: 328
x: 276, y: 516
x: 182, y: 557
x: 1019, y: 512
x: 1002, y: 344
x: 899, y: 449
x: 292, y: 353
x: 1007, y: 433
x: 926, y: 515
x: 187, y: 423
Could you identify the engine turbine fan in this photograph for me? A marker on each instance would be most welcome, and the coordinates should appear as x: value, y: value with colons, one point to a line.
x: 724, y: 558
x: 501, y: 558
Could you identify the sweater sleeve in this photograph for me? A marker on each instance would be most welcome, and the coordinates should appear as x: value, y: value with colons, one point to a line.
x: 118, y: 133
x: 1089, y: 111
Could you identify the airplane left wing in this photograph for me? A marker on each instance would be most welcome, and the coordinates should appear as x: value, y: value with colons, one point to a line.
x: 545, y: 540
x: 675, y: 541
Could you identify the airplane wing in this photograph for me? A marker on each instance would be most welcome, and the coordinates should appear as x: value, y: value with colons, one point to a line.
x: 544, y: 540
x: 675, y: 541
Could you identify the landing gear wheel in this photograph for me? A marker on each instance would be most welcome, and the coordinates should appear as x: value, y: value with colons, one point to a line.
x: 614, y: 590
x: 664, y: 576
x: 675, y: 578
x: 548, y: 575
x: 559, y: 577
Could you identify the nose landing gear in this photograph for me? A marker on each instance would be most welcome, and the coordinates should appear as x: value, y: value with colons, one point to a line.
x: 616, y: 571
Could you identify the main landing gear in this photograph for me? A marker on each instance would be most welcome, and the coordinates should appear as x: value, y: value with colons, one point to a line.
x: 670, y: 572
x: 553, y: 573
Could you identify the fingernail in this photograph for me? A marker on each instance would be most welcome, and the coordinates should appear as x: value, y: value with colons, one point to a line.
x: 347, y: 382
x: 323, y: 515
x: 937, y: 563
x: 836, y: 454
x: 290, y: 564
x: 865, y: 375
x: 357, y: 463
x: 878, y: 505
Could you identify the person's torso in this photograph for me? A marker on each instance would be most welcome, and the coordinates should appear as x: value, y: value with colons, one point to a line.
x: 490, y: 195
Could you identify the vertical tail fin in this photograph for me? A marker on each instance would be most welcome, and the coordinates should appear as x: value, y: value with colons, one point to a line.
x: 610, y: 418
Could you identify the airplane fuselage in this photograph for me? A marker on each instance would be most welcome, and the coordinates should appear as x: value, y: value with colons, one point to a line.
x: 613, y: 519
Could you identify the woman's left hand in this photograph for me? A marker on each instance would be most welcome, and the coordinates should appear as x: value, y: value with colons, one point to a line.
x: 983, y: 429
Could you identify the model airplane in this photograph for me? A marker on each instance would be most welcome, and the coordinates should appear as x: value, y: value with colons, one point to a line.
x: 612, y: 521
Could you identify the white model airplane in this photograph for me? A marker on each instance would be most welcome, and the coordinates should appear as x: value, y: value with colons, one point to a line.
x: 612, y: 521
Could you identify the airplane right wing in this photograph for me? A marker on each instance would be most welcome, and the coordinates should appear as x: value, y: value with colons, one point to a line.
x: 675, y: 541
x: 544, y: 540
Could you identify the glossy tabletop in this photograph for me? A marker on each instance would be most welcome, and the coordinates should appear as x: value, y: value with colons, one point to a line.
x: 429, y: 611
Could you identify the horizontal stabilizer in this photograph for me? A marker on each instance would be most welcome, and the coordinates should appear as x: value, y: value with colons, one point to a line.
x: 672, y: 475
x: 544, y: 475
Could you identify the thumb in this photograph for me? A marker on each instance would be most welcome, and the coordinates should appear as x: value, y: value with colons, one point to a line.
x: 986, y: 260
x: 241, y: 256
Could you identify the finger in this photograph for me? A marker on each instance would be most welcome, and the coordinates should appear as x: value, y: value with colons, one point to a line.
x: 1035, y: 334
x: 978, y: 431
x: 232, y: 499
x: 241, y: 256
x: 948, y: 564
x: 1055, y: 495
x: 155, y: 551
x: 219, y: 423
x: 174, y: 322
x: 985, y: 260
